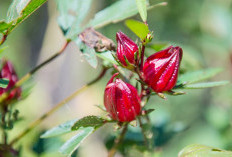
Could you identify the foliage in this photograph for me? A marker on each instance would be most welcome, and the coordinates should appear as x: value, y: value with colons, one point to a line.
x: 140, y: 139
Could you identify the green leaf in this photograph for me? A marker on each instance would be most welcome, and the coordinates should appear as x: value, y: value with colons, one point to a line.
x: 4, y: 26
x: 205, y: 85
x: 60, y: 129
x: 142, y: 7
x: 107, y: 56
x: 139, y: 28
x: 72, y: 144
x: 4, y: 83
x: 89, y: 121
x: 88, y: 53
x: 18, y: 12
x: 198, y: 150
x: 118, y: 11
x: 192, y: 77
x: 71, y: 15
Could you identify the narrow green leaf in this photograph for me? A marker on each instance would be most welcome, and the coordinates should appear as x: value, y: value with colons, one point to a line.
x: 118, y: 11
x: 198, y: 150
x: 142, y: 7
x: 72, y: 144
x: 205, y: 85
x: 139, y: 28
x: 89, y: 121
x: 192, y: 77
x: 60, y: 129
x: 107, y: 56
x: 88, y: 53
x: 18, y: 12
x: 4, y: 83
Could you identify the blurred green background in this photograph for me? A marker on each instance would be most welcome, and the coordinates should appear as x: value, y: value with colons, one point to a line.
x: 201, y: 27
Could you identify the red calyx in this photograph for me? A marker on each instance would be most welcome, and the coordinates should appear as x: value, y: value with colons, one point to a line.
x: 126, y: 49
x: 160, y: 70
x: 8, y: 72
x: 121, y: 100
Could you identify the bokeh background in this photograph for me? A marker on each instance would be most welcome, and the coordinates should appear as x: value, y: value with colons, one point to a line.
x: 201, y: 27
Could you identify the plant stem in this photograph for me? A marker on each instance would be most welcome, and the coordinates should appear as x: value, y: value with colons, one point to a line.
x: 142, y: 57
x: 5, y: 95
x: 57, y: 106
x: 3, y: 122
x: 3, y: 39
x: 118, y: 141
x: 143, y: 131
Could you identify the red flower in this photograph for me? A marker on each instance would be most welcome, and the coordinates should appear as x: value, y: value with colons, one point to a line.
x: 121, y: 100
x: 8, y: 72
x: 161, y: 69
x: 126, y: 49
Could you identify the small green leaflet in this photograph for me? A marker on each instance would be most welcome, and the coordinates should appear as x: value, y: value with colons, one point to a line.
x: 72, y: 144
x: 142, y: 7
x: 60, y: 129
x: 198, y: 150
x: 88, y: 53
x: 107, y: 56
x: 197, y: 76
x: 205, y: 85
x: 139, y: 28
x: 89, y: 121
x: 4, y: 83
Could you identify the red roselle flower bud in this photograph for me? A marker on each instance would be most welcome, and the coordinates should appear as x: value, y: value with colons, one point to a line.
x: 161, y: 69
x: 126, y: 49
x: 8, y: 72
x: 121, y: 100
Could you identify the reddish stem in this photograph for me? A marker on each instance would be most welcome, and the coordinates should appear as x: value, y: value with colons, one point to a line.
x: 3, y: 39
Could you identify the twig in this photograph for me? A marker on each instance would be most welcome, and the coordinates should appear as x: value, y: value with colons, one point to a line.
x: 56, y: 107
x: 143, y: 131
x: 118, y: 141
x: 3, y: 39
x: 5, y: 95
x: 142, y: 57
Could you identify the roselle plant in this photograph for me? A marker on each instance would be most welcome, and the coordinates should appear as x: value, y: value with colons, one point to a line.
x: 138, y: 72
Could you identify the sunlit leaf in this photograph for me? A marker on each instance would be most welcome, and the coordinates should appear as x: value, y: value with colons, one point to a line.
x: 197, y: 150
x: 89, y: 121
x: 142, y: 7
x: 60, y: 129
x: 196, y: 76
x: 72, y: 144
x: 139, y: 28
x: 205, y: 85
